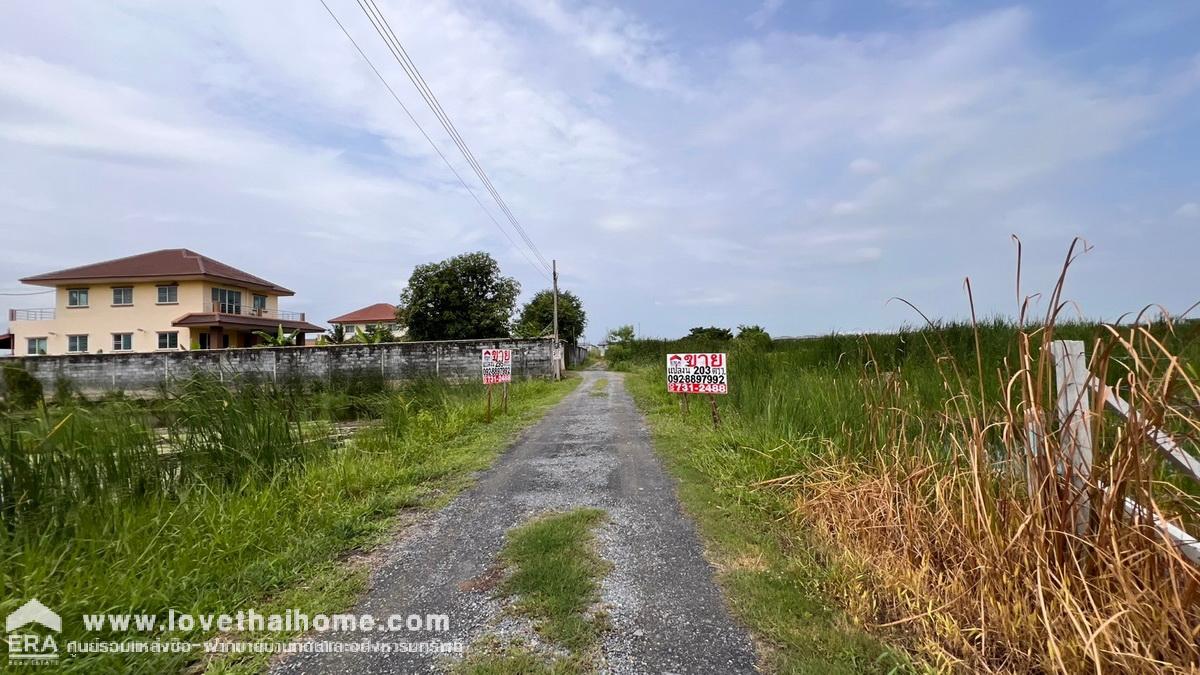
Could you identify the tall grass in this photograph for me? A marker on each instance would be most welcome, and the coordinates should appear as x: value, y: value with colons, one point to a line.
x: 70, y: 460
x: 219, y: 499
x: 963, y: 526
x: 910, y: 458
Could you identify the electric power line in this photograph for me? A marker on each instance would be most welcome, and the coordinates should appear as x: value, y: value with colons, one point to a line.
x: 379, y: 21
x: 28, y: 293
x: 384, y: 29
x: 435, y: 147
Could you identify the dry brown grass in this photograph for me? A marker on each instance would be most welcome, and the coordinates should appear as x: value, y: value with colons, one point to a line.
x: 957, y: 531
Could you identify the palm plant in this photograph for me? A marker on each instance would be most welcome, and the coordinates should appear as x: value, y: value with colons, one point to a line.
x: 375, y: 335
x: 336, y: 335
x: 279, y: 339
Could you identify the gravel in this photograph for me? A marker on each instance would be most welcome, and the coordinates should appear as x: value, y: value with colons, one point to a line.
x: 665, y: 612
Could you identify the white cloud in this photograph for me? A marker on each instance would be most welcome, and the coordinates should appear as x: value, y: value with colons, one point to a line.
x: 885, y: 163
x: 624, y: 45
x: 761, y: 16
x: 1188, y: 210
x: 619, y: 222
x: 845, y: 208
x: 865, y: 167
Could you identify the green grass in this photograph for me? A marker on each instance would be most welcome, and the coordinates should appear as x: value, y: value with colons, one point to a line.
x: 588, y: 362
x: 873, y: 405
x: 554, y: 576
x: 268, y: 536
x: 600, y: 387
x: 773, y: 576
x: 515, y: 660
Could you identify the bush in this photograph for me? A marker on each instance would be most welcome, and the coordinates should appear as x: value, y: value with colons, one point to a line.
x: 64, y: 390
x: 24, y: 390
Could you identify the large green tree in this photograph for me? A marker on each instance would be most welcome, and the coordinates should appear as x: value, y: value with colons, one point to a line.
x: 462, y: 298
x: 620, y: 334
x: 710, y: 333
x: 537, y: 316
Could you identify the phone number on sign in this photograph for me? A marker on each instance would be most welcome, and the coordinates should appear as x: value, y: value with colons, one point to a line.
x: 696, y: 388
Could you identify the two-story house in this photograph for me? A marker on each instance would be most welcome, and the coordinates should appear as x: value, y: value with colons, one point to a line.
x: 381, y: 314
x: 162, y: 300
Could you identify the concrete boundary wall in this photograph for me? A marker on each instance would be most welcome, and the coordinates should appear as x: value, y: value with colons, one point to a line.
x: 146, y: 373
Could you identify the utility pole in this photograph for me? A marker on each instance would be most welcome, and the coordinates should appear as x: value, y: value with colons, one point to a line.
x: 554, y: 272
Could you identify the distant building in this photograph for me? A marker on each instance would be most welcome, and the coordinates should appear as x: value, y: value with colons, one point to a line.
x: 381, y: 314
x: 158, y: 301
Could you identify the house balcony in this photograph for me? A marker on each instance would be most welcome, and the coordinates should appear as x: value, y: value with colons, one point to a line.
x: 226, y: 309
x: 42, y: 314
x: 221, y: 318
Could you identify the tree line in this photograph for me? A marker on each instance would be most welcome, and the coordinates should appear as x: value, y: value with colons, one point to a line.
x: 467, y: 297
x: 747, y: 334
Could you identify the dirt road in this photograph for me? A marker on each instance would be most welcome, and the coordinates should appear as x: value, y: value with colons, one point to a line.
x: 593, y: 450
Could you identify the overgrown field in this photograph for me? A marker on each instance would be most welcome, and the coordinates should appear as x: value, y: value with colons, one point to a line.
x: 213, y: 500
x: 906, y: 484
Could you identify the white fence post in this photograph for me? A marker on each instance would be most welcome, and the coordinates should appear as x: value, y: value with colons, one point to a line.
x: 1071, y: 380
x: 1162, y: 440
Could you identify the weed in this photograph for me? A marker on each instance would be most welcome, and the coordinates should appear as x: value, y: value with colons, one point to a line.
x: 238, y: 501
x: 24, y: 390
x: 554, y: 579
x: 921, y: 467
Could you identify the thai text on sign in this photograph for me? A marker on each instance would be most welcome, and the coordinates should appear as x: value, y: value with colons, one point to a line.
x: 497, y: 366
x: 697, y: 374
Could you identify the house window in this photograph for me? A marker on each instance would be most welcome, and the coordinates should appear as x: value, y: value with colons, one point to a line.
x: 122, y: 342
x: 77, y: 297
x: 123, y: 295
x: 77, y: 343
x: 168, y: 295
x: 35, y: 346
x: 260, y: 305
x: 168, y: 340
x: 226, y: 301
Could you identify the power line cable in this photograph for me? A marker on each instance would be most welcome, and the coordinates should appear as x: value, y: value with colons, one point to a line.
x: 384, y: 29
x: 28, y: 293
x: 435, y: 147
x: 379, y: 21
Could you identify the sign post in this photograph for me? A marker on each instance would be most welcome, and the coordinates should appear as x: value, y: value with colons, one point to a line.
x: 699, y: 374
x: 497, y: 369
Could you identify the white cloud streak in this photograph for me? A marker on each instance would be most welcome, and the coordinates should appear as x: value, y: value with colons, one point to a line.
x: 781, y: 179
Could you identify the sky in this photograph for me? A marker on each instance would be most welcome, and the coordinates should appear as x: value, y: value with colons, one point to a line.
x: 790, y: 164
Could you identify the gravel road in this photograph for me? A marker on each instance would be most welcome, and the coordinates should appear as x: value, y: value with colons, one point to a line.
x: 593, y: 449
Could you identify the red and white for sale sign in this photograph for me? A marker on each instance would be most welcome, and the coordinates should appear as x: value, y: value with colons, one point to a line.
x: 697, y: 374
x: 497, y: 366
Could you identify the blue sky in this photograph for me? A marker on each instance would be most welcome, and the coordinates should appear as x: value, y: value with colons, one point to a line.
x: 792, y: 164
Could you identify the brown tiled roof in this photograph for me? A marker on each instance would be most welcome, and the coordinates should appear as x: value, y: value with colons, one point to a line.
x: 380, y: 312
x: 236, y: 321
x: 169, y: 263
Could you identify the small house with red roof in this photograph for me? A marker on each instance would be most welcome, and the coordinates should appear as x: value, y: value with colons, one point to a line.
x: 380, y: 315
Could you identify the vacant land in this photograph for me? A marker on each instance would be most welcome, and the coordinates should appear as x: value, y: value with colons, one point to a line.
x: 880, y: 482
x: 213, y: 499
x: 875, y: 503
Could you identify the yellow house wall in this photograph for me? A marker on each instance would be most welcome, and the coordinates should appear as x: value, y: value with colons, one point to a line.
x: 247, y: 296
x: 145, y: 318
x: 350, y: 328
